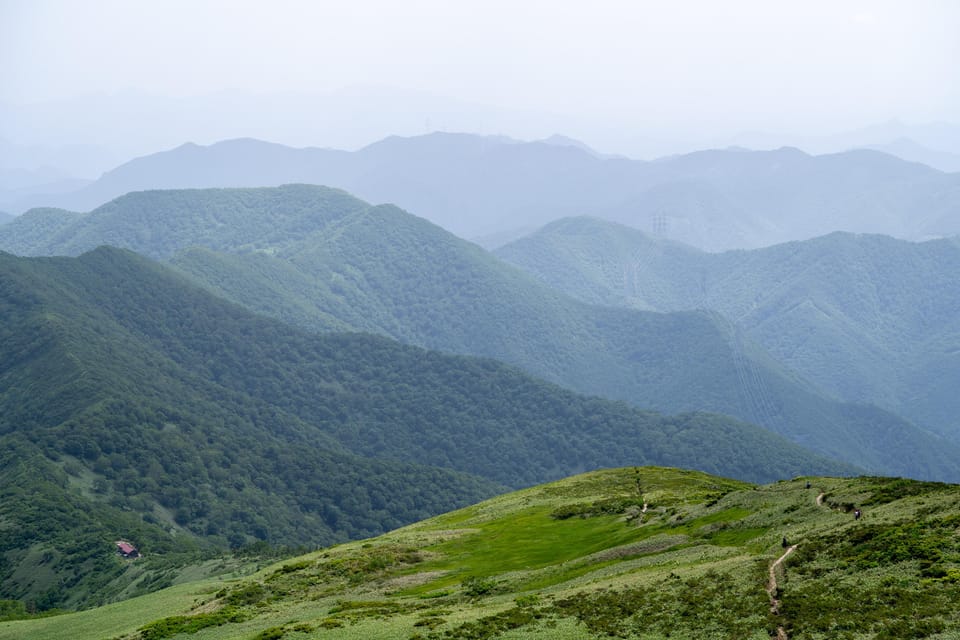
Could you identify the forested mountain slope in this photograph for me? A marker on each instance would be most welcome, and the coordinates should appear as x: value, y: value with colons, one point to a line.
x: 148, y: 409
x: 482, y: 185
x: 869, y: 318
x: 323, y: 260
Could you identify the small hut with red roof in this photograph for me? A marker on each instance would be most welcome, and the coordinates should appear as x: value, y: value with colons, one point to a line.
x: 126, y: 549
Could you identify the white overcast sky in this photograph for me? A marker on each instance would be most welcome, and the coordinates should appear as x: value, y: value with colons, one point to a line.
x: 735, y: 64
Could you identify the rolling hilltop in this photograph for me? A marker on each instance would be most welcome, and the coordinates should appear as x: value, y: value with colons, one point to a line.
x: 635, y: 552
x: 136, y: 405
x: 869, y: 318
x: 320, y: 259
x: 477, y: 186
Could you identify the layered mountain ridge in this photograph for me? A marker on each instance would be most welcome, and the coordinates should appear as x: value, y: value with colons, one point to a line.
x: 479, y: 186
x: 323, y: 260
x: 135, y: 405
x: 868, y: 318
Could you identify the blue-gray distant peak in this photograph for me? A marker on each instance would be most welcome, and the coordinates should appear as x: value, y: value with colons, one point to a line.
x: 491, y: 186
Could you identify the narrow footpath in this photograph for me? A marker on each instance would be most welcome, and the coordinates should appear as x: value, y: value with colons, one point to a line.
x: 772, y: 587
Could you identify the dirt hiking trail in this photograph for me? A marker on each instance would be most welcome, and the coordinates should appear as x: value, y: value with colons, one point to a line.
x: 773, y: 587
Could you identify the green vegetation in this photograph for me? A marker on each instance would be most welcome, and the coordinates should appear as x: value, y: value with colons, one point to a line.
x: 175, y: 625
x: 898, y: 577
x: 869, y: 318
x: 241, y: 219
x: 322, y: 260
x: 58, y: 546
x: 134, y: 405
x: 712, y: 605
x: 695, y: 564
x: 17, y: 610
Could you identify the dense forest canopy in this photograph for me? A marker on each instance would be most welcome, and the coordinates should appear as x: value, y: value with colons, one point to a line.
x: 868, y: 318
x: 157, y: 407
x: 324, y: 260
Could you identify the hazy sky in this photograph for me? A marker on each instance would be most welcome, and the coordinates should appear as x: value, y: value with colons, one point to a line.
x: 725, y: 65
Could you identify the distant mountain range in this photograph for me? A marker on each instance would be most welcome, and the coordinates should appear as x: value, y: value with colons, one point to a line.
x: 84, y: 136
x: 136, y: 405
x: 914, y: 152
x: 323, y: 260
x: 24, y: 165
x: 19, y: 185
x: 932, y: 137
x: 478, y: 186
x: 867, y: 317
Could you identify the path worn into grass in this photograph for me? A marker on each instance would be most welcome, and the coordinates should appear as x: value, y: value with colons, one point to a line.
x: 772, y: 582
x: 772, y: 589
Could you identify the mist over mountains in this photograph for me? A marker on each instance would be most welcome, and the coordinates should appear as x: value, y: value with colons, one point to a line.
x: 440, y: 321
x: 479, y: 186
x: 324, y: 260
x: 866, y: 317
x: 85, y: 136
x: 933, y: 143
x: 915, y: 152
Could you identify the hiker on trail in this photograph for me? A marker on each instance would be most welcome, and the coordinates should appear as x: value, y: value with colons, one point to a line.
x: 785, y: 544
x: 856, y: 514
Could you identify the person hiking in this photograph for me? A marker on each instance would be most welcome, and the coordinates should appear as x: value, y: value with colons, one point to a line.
x: 856, y: 514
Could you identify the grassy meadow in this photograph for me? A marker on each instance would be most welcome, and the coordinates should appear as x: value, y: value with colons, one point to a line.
x: 635, y: 552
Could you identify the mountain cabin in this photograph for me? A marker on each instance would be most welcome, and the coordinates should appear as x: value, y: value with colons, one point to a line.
x: 126, y: 549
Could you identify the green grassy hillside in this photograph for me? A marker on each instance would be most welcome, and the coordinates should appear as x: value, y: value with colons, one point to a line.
x: 148, y: 409
x: 322, y: 260
x: 634, y: 552
x: 868, y: 318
